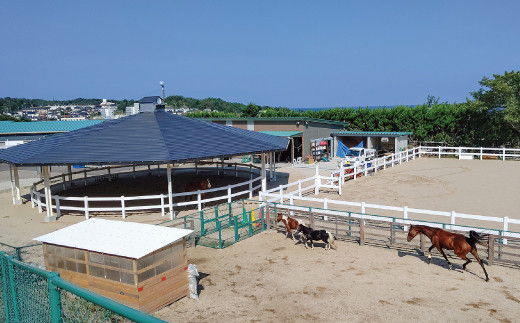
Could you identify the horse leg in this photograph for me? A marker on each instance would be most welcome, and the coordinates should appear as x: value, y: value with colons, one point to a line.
x: 430, y: 254
x: 475, y: 254
x: 442, y: 252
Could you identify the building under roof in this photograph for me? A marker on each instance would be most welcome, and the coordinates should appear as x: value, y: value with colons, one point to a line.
x: 302, y: 131
x: 382, y: 141
x: 27, y: 131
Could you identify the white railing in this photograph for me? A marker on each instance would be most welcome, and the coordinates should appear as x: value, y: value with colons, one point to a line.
x: 278, y: 195
x: 372, y: 166
x: 152, y: 202
x: 472, y: 152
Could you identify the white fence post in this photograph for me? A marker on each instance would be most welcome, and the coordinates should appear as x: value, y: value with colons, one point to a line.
x: 393, y: 160
x: 85, y: 200
x: 460, y: 152
x: 291, y: 201
x: 300, y: 188
x: 405, y: 217
x: 57, y: 203
x: 340, y: 178
x: 439, y: 152
x: 39, y: 200
x: 506, y: 228
x: 363, y: 207
x: 199, y: 204
x: 281, y: 194
x: 162, y: 204
x: 481, y: 153
x: 229, y: 194
x: 251, y: 189
x: 317, y: 181
x: 452, y: 221
x: 504, y: 154
x: 325, y: 206
x: 123, y: 211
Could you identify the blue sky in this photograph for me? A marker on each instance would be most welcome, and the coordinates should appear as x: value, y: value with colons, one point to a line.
x: 297, y: 54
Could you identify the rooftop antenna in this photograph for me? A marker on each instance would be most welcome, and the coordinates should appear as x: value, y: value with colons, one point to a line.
x: 162, y: 85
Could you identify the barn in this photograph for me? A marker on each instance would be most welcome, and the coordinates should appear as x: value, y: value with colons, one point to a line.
x: 140, y: 265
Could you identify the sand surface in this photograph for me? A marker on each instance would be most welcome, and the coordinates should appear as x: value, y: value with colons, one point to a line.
x: 269, y: 278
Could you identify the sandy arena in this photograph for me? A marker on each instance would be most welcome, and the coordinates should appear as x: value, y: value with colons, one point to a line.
x: 270, y: 278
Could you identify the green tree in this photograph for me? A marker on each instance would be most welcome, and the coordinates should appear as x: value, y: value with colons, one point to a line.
x: 251, y: 110
x: 502, y: 92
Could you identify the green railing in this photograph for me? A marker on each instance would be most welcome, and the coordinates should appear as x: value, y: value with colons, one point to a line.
x: 30, y: 294
x: 225, y: 224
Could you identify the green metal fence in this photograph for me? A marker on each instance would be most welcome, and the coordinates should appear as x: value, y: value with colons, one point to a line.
x: 225, y: 224
x: 31, y: 294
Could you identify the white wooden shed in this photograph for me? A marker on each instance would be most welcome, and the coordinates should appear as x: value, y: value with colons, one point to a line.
x: 140, y: 265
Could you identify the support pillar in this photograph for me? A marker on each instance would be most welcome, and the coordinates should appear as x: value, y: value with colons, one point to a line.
x: 69, y: 171
x: 15, y: 185
x: 264, y: 177
x: 48, y: 196
x: 170, y: 197
x: 292, y: 150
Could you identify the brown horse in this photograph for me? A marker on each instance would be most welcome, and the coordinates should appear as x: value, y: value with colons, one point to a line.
x: 459, y: 243
x: 197, y: 186
x: 290, y: 224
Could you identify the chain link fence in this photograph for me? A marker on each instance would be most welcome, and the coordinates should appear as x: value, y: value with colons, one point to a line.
x: 30, y: 294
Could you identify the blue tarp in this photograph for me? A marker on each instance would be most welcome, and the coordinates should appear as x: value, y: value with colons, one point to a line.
x: 342, y: 150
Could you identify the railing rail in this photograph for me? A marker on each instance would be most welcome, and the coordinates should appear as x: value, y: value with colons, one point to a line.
x: 155, y: 202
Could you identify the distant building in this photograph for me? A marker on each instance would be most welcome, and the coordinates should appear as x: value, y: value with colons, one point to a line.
x: 72, y: 118
x: 132, y: 109
x: 108, y: 112
x: 149, y: 103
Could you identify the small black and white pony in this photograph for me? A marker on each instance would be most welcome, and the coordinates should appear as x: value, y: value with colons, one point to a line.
x: 310, y: 234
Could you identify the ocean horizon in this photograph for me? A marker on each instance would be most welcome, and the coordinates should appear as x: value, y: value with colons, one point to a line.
x: 371, y: 107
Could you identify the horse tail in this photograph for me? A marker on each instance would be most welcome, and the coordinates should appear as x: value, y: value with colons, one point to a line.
x: 331, y: 240
x: 474, y: 237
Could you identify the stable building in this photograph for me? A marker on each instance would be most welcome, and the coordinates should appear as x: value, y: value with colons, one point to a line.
x: 382, y: 142
x: 304, y: 133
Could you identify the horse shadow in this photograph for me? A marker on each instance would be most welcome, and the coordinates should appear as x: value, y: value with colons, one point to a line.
x: 438, y: 261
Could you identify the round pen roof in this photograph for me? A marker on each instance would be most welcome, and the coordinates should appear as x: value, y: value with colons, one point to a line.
x: 144, y: 138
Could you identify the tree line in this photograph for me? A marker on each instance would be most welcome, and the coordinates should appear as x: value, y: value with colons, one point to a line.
x: 490, y: 119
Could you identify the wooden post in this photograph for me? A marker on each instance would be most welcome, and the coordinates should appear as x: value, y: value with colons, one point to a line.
x: 85, y: 176
x: 133, y: 171
x: 311, y: 218
x: 491, y: 249
x: 392, y: 232
x: 69, y: 171
x: 267, y: 217
x: 361, y: 232
x: 108, y: 173
x: 422, y: 242
x: 292, y: 149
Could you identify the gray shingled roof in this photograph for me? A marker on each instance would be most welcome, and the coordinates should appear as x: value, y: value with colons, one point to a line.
x: 144, y: 138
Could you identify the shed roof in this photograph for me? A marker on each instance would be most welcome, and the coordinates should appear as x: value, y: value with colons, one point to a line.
x: 144, y: 138
x: 371, y: 133
x: 287, y: 134
x: 126, y: 239
x: 11, y: 127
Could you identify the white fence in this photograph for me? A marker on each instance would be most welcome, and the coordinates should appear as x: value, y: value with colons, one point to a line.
x: 161, y: 202
x: 471, y: 152
x: 284, y: 196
